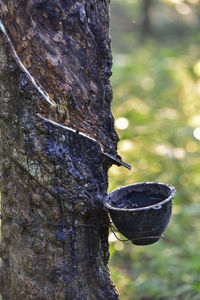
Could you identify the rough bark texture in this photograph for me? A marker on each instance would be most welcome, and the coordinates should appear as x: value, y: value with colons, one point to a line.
x: 54, y: 227
x: 65, y: 47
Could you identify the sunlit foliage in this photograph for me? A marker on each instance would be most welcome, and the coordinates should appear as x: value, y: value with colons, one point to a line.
x: 156, y: 105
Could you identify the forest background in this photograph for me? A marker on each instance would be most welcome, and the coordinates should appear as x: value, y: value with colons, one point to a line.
x: 156, y: 82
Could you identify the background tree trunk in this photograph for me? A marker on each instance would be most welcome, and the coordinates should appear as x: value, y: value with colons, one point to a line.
x: 146, y: 25
x: 54, y: 241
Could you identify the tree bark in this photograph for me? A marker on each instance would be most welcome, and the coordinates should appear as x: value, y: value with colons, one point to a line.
x: 54, y: 241
x: 64, y: 47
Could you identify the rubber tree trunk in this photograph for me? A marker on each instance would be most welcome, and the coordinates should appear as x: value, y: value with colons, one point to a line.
x: 54, y: 233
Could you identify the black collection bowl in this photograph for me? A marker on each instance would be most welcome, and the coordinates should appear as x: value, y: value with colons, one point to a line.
x: 141, y: 212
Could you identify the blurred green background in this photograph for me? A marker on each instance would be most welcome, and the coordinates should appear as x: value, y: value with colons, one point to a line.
x: 156, y: 84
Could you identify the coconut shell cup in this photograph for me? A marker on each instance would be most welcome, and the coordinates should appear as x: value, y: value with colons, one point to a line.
x: 142, y: 211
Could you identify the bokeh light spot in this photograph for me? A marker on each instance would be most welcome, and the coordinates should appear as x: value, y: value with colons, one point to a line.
x: 122, y: 123
x: 196, y: 133
x: 112, y: 238
x: 176, y: 1
x: 183, y: 9
x: 179, y: 153
x: 191, y: 147
x: 197, y: 68
x: 126, y: 145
